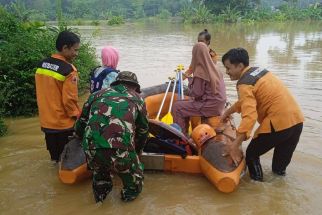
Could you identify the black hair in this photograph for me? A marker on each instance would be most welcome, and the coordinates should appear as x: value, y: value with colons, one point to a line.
x: 236, y: 56
x: 206, y: 34
x: 66, y: 38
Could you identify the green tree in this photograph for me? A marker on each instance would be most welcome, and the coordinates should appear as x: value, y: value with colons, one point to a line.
x: 217, y: 6
x: 19, y: 9
x: 80, y: 9
x: 59, y: 11
x: 152, y: 7
x: 292, y: 3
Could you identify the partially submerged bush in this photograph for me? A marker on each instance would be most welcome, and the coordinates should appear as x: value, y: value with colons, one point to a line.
x: 3, y: 128
x: 115, y: 20
x: 164, y: 14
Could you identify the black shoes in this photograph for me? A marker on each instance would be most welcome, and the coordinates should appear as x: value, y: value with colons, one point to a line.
x: 279, y: 172
x: 255, y: 169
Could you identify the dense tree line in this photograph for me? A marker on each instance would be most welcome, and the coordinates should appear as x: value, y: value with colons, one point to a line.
x: 134, y: 9
x: 101, y: 9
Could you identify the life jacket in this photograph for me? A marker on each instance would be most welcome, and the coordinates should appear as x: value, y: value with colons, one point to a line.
x: 99, y: 75
x: 252, y: 76
x: 168, y: 139
x: 167, y: 146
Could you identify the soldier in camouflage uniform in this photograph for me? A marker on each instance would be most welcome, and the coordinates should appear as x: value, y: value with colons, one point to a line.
x: 114, y: 128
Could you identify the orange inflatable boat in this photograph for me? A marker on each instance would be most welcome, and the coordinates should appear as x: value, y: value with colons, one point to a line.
x: 219, y: 169
x: 205, y: 158
x: 169, y: 150
x: 73, y: 167
x: 208, y: 159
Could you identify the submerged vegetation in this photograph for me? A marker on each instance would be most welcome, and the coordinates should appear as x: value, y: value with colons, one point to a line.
x: 115, y: 20
x: 3, y: 128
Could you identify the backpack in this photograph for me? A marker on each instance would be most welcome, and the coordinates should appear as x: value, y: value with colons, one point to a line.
x: 99, y: 75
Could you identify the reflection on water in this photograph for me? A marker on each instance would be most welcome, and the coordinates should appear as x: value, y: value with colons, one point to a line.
x: 29, y: 184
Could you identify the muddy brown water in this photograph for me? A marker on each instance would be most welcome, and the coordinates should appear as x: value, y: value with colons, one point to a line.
x: 29, y: 183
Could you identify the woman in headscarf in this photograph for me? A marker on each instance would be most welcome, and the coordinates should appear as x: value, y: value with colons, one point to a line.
x: 103, y: 76
x: 205, y: 37
x: 206, y: 89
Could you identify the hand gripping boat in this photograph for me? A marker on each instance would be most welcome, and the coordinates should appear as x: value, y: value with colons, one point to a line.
x: 219, y: 169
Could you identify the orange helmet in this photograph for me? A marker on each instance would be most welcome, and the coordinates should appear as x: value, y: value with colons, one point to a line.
x: 202, y: 133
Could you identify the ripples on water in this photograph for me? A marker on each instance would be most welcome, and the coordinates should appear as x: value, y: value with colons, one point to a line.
x: 29, y: 184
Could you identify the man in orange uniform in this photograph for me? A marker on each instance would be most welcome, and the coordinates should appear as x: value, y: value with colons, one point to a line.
x: 57, y: 93
x: 262, y: 97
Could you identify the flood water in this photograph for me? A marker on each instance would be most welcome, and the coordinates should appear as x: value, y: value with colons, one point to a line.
x: 29, y: 183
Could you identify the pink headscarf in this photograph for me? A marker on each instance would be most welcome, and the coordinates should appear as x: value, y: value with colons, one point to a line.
x: 110, y: 57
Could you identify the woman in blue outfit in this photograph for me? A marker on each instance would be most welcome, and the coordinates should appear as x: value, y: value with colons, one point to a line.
x: 103, y: 76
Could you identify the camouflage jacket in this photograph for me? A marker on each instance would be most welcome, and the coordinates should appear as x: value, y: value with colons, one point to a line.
x: 113, y: 118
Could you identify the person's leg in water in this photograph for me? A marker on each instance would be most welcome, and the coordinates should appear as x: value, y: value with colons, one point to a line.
x: 101, y: 165
x: 283, y: 142
x: 55, y: 143
x: 130, y: 170
x: 283, y: 152
x: 51, y: 142
x: 255, y: 149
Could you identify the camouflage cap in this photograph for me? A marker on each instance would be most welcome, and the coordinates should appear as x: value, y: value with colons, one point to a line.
x: 127, y: 77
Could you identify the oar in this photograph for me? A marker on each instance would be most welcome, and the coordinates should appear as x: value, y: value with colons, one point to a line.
x: 168, y: 119
x: 164, y: 97
x: 179, y: 70
x: 181, y: 85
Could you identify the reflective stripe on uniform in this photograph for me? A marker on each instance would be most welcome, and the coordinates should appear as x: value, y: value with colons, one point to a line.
x: 50, y: 73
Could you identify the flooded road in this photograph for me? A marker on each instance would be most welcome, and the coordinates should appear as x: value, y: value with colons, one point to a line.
x: 29, y: 183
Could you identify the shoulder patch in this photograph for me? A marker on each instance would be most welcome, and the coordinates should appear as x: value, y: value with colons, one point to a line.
x: 252, y: 76
x: 56, y: 65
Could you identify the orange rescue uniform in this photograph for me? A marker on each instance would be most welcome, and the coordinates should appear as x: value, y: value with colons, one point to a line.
x: 269, y: 102
x: 57, y: 93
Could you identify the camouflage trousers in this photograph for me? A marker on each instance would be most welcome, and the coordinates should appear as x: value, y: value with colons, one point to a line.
x: 126, y: 164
